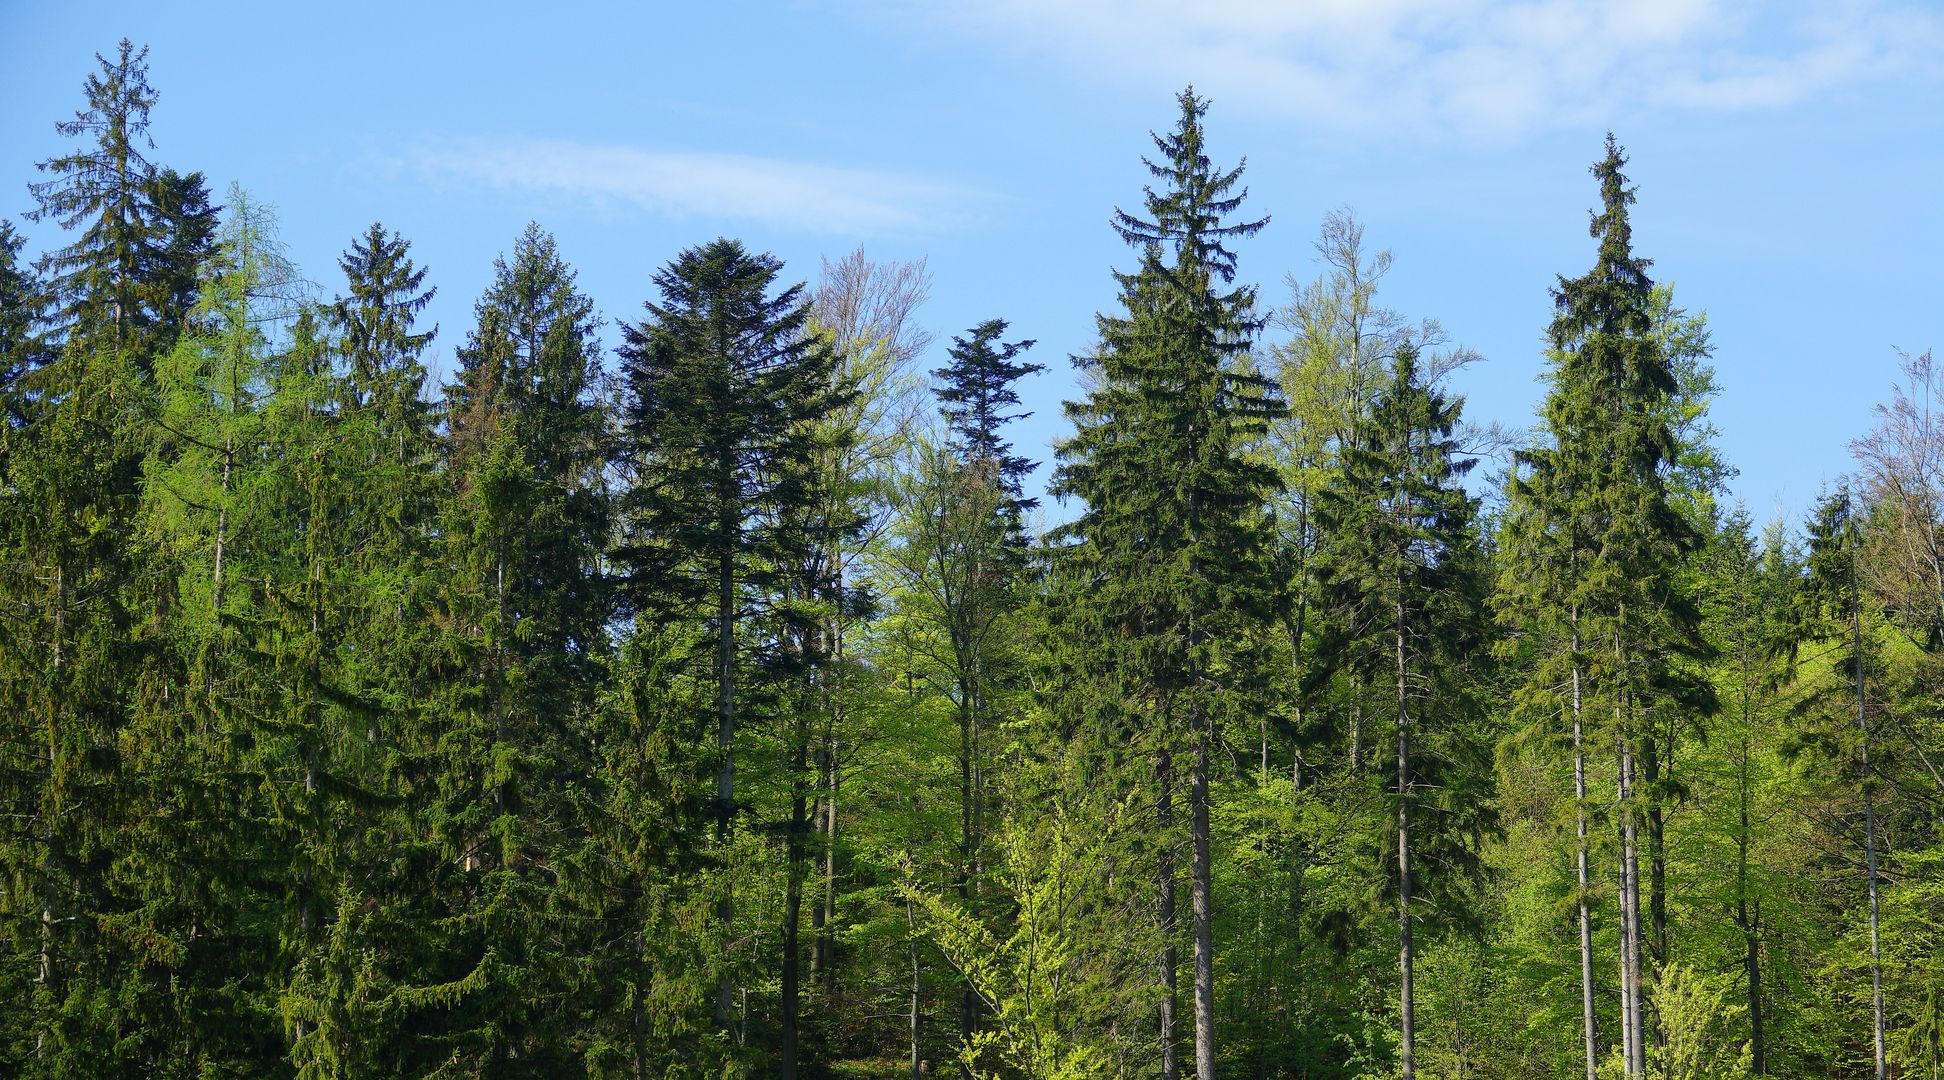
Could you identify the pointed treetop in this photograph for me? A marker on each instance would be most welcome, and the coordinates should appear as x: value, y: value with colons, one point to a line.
x: 1187, y: 213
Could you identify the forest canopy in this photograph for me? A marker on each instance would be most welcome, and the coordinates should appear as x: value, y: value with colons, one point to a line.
x: 719, y: 697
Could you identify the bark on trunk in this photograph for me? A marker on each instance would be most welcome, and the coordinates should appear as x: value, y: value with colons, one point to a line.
x: 911, y: 925
x: 1165, y: 882
x: 1631, y: 939
x: 793, y: 907
x: 1201, y: 875
x: 1407, y: 1016
x: 1747, y: 916
x: 1589, y: 1020
x: 725, y: 736
x: 1869, y: 842
x: 968, y: 1000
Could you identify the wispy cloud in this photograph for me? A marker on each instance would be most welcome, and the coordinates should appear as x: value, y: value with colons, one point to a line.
x: 693, y: 184
x: 1475, y: 67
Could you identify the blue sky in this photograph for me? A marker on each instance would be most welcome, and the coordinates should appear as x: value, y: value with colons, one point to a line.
x: 1789, y: 157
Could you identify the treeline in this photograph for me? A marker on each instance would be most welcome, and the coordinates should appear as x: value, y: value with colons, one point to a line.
x: 717, y: 708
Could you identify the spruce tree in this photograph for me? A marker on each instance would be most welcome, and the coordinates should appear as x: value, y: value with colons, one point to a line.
x: 1598, y: 554
x: 1402, y: 582
x: 975, y: 391
x: 521, y: 608
x: 187, y: 226
x: 24, y: 348
x: 1172, y: 541
x: 375, y: 327
x: 367, y: 974
x: 718, y: 444
x: 105, y: 281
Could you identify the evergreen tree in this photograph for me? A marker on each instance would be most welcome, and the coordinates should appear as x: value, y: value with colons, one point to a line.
x: 187, y: 223
x: 718, y: 443
x: 1172, y: 540
x: 367, y: 977
x: 974, y: 392
x: 1403, y: 582
x: 23, y: 313
x: 522, y: 611
x: 375, y: 327
x: 1592, y: 514
x: 104, y: 282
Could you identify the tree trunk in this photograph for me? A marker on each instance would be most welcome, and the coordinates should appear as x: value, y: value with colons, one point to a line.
x: 1407, y: 1014
x: 911, y: 925
x: 1624, y: 896
x: 793, y: 903
x: 1869, y: 842
x: 725, y: 662
x: 819, y: 910
x: 968, y: 999
x: 49, y: 914
x: 1630, y: 853
x: 1589, y: 1020
x: 222, y: 526
x: 1165, y: 881
x: 1655, y: 766
x: 1201, y: 882
x: 1747, y: 919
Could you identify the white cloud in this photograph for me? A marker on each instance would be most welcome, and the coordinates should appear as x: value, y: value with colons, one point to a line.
x: 683, y: 184
x: 1474, y: 67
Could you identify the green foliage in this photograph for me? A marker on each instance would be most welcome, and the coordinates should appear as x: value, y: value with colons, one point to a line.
x: 725, y: 718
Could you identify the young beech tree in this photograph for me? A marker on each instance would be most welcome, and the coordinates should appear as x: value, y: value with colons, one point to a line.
x: 1402, y: 578
x: 717, y: 442
x: 1173, y: 538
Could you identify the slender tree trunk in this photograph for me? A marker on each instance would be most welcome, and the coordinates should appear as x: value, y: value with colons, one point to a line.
x: 1407, y: 1013
x: 793, y: 903
x: 222, y: 527
x: 499, y: 668
x: 1655, y: 766
x: 968, y: 1000
x: 911, y: 925
x: 819, y: 914
x: 1165, y: 881
x: 1870, y: 850
x: 1636, y: 983
x: 1750, y: 924
x: 825, y: 910
x: 725, y: 661
x: 1625, y: 896
x: 1747, y: 918
x: 50, y: 913
x: 1201, y: 882
x: 1589, y: 1020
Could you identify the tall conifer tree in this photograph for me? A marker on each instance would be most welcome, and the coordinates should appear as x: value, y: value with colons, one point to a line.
x: 1402, y: 579
x: 725, y: 386
x: 1591, y: 508
x: 1172, y: 540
